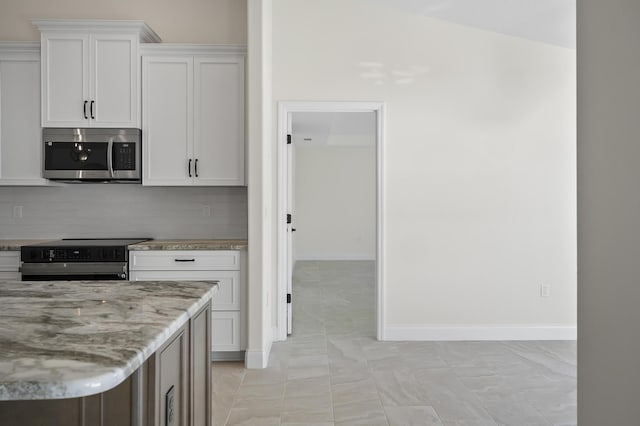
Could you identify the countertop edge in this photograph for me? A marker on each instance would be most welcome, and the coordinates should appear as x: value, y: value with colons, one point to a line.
x: 110, y: 377
x: 167, y: 245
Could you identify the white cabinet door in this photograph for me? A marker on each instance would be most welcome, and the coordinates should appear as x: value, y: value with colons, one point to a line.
x: 114, y: 85
x: 65, y: 80
x: 225, y: 331
x: 219, y: 120
x: 167, y: 120
x: 193, y: 116
x: 90, y: 80
x: 20, y: 132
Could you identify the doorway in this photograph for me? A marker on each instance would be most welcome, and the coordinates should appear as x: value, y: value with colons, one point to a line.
x: 310, y: 116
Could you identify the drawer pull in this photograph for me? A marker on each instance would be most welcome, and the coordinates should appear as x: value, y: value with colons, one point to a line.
x: 184, y: 260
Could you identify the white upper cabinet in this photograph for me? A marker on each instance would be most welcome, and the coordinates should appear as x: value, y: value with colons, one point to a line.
x: 90, y: 72
x: 167, y: 120
x: 219, y: 120
x: 193, y: 115
x: 20, y: 133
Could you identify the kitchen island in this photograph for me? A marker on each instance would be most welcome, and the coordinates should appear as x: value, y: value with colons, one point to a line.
x: 105, y: 353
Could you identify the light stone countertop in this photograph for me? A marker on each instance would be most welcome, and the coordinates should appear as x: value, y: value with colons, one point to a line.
x: 14, y: 245
x: 67, y: 339
x: 190, y: 245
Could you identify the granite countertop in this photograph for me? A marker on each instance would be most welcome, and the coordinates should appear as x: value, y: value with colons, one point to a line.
x: 14, y: 245
x: 67, y: 339
x: 190, y: 245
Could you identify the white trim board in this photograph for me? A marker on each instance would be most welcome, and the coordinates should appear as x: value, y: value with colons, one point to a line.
x: 284, y: 108
x: 453, y: 332
x: 258, y: 359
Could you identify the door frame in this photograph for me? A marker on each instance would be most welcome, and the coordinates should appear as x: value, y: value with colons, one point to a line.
x: 284, y: 109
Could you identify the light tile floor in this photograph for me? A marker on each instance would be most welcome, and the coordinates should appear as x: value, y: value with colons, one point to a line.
x: 332, y: 371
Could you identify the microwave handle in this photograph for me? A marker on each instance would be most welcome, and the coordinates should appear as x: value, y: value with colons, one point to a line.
x: 110, y: 156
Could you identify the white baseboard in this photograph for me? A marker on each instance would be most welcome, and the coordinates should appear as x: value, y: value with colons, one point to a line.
x: 446, y: 332
x: 258, y: 359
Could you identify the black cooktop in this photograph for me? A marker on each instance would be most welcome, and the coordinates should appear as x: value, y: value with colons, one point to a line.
x: 79, y: 250
x: 89, y: 242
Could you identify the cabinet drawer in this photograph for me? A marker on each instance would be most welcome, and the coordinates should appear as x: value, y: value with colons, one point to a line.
x: 184, y: 260
x: 225, y: 331
x: 9, y: 261
x: 228, y: 296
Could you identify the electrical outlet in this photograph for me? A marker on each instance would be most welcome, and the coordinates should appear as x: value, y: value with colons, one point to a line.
x: 171, y: 418
x: 17, y: 211
x: 206, y: 211
x: 545, y: 290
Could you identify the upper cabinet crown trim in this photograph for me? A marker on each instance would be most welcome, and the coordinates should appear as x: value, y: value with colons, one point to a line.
x: 191, y: 49
x: 146, y: 34
x: 19, y: 50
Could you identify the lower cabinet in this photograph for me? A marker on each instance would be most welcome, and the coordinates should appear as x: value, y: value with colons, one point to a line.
x: 228, y: 310
x: 9, y: 265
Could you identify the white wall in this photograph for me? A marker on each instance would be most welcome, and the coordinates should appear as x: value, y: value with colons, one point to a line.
x: 480, y: 184
x: 609, y: 212
x: 185, y: 21
x: 335, y: 202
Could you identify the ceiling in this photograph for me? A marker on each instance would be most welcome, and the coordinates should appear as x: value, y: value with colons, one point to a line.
x: 547, y: 21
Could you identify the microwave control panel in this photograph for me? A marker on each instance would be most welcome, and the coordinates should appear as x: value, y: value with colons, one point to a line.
x: 124, y: 156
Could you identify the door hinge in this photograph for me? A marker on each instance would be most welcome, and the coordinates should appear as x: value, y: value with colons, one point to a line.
x: 288, y: 139
x: 288, y: 297
x: 288, y: 218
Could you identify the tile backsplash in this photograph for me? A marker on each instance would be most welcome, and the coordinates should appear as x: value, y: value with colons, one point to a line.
x: 122, y: 210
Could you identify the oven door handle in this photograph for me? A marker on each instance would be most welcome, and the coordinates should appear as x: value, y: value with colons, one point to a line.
x: 110, y: 156
x: 62, y: 269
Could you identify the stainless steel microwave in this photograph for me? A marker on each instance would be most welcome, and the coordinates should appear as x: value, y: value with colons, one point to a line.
x: 92, y: 155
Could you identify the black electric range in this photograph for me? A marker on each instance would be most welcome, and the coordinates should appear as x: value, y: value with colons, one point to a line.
x: 77, y: 259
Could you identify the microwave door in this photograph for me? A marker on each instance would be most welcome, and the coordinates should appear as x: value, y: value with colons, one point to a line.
x: 74, y: 160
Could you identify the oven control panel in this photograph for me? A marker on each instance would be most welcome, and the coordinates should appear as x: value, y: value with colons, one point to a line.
x: 74, y: 254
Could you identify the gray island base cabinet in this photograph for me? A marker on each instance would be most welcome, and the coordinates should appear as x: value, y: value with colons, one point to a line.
x: 178, y: 372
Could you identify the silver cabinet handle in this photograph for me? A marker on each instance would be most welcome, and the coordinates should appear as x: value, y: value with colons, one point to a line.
x: 110, y: 156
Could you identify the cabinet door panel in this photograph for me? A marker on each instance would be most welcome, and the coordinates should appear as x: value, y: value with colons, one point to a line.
x: 225, y: 331
x: 219, y: 120
x: 115, y: 83
x: 65, y: 71
x: 172, y: 365
x: 167, y: 92
x: 201, y: 368
x: 9, y: 261
x: 20, y: 131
